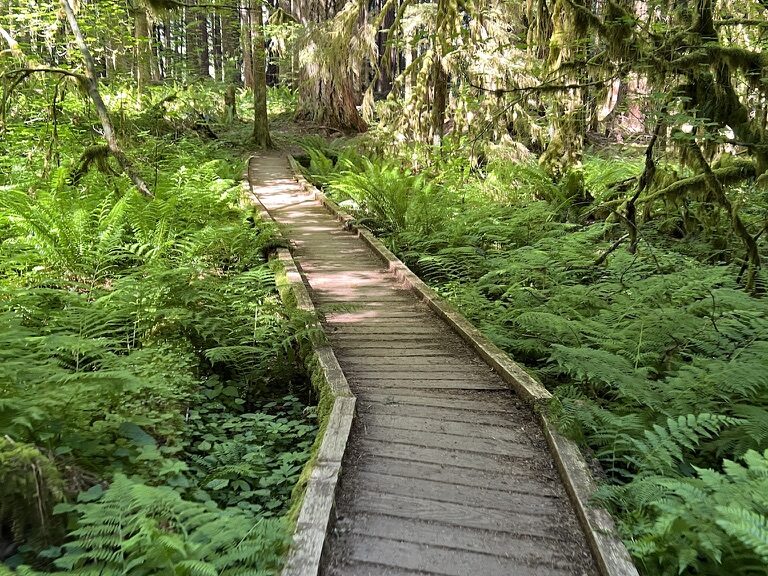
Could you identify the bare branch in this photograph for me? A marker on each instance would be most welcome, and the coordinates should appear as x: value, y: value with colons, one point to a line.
x: 12, y: 44
x: 27, y: 72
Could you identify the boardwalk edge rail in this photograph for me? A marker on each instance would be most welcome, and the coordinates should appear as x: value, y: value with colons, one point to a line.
x: 314, y: 520
x: 609, y: 552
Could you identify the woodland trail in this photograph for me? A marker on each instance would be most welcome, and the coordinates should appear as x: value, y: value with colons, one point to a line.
x: 446, y: 471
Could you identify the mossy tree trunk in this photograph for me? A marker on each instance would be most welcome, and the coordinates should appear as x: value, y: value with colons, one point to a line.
x: 143, y: 49
x: 328, y: 93
x: 92, y: 87
x: 563, y: 155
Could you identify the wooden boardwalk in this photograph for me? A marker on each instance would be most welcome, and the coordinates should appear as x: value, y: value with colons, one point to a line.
x: 446, y: 471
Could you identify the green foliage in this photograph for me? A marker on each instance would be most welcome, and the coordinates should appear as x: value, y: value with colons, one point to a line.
x: 385, y: 195
x: 133, y: 529
x: 382, y: 195
x: 657, y: 359
x: 144, y: 339
x: 249, y: 460
x: 31, y: 488
x: 709, y: 522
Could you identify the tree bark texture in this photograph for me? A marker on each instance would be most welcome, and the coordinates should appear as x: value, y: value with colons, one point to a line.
x: 259, y: 57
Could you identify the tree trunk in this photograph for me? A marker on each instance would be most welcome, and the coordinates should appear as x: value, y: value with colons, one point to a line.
x: 169, y: 49
x: 218, y: 68
x: 273, y: 62
x: 158, y: 67
x: 142, y: 49
x: 205, y: 55
x: 259, y: 57
x: 566, y: 145
x: 92, y: 86
x: 439, y: 101
x: 326, y: 96
x: 230, y: 43
x: 388, y: 57
x: 246, y: 43
x: 191, y: 39
x: 230, y: 104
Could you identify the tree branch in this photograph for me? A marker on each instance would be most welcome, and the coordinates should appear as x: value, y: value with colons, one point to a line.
x: 729, y: 175
x: 92, y: 87
x: 547, y: 87
x: 26, y: 72
x: 12, y: 44
x: 610, y: 250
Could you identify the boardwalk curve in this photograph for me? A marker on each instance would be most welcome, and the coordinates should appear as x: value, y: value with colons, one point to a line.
x: 446, y: 471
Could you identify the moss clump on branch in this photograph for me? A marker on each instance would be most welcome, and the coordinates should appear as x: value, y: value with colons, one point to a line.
x: 739, y: 171
x: 93, y: 155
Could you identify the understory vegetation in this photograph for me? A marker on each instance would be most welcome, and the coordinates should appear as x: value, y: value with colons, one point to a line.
x: 656, y: 358
x: 155, y: 415
x: 586, y: 181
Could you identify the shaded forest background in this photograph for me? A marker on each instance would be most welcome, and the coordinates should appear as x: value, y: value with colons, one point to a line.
x: 684, y: 79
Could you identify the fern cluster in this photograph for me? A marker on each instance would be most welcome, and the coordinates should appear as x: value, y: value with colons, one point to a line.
x: 144, y: 339
x: 657, y: 360
x: 135, y: 529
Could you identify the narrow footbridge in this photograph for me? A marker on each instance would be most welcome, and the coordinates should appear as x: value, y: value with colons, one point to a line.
x: 446, y: 470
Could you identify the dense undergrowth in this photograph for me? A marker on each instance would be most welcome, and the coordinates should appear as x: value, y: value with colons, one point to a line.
x: 657, y: 359
x: 154, y: 414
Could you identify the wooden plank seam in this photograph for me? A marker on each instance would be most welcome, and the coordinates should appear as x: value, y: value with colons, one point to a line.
x: 610, y: 554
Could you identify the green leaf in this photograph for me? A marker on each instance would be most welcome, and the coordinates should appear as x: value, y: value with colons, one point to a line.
x: 217, y: 484
x: 92, y: 494
x: 136, y: 434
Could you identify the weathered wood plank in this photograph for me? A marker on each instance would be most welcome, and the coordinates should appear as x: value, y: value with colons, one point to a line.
x: 384, y: 385
x: 378, y: 301
x: 424, y: 364
x: 514, y: 479
x: 431, y: 425
x: 455, y: 402
x: 474, y: 460
x: 519, y: 524
x: 451, y: 414
x: 379, y: 348
x: 383, y: 316
x: 337, y: 430
x: 352, y: 568
x: 447, y: 442
x: 312, y: 524
x: 443, y: 561
x: 443, y: 491
x: 387, y: 330
x: 461, y: 373
x: 474, y: 540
